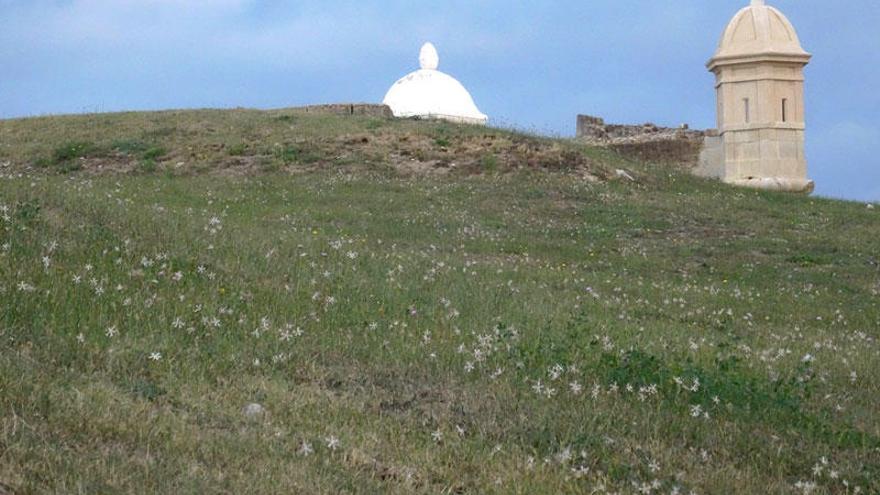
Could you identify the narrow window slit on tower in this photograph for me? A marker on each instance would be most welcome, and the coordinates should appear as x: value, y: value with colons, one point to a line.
x: 785, y: 110
x: 747, y: 110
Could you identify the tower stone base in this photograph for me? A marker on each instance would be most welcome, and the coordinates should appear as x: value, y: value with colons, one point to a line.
x: 762, y: 158
x: 769, y: 158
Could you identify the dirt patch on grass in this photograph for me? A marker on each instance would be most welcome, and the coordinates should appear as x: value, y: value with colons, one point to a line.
x: 383, y: 471
x: 119, y: 164
x: 481, y: 153
x: 415, y: 155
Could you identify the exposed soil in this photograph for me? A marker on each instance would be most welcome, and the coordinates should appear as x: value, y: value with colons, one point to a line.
x: 408, y: 154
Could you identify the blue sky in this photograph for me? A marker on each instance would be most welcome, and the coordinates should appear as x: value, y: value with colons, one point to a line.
x: 532, y: 65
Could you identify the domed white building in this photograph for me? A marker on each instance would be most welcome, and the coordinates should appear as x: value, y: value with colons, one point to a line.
x: 759, y: 71
x: 429, y: 93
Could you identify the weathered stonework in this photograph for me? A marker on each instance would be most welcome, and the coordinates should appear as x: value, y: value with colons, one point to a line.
x: 674, y: 146
x: 368, y: 109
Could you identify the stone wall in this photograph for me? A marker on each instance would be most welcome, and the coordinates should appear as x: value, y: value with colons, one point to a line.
x: 647, y: 142
x: 368, y: 109
x: 711, y: 158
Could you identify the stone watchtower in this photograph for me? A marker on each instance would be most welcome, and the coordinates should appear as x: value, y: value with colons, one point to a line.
x: 759, y: 70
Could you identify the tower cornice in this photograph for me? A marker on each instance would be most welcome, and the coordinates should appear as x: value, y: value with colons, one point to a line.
x: 789, y: 58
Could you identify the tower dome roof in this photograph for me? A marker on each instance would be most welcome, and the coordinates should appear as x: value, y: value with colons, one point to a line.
x: 430, y: 93
x: 759, y: 32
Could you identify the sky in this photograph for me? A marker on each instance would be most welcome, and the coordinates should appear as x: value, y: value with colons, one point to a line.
x: 529, y: 65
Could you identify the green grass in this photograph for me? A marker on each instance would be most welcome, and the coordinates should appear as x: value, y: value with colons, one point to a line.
x: 525, y: 331
x: 130, y: 146
x: 71, y: 151
x: 154, y: 153
x: 489, y: 163
x: 65, y: 158
x: 237, y: 149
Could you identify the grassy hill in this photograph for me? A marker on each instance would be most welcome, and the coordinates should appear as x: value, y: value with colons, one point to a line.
x: 272, y: 302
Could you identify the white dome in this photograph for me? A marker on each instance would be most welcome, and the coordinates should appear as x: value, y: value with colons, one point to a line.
x: 430, y: 93
x: 759, y: 31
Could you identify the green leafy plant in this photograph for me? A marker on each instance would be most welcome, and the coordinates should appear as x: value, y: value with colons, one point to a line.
x: 489, y: 163
x: 154, y: 153
x: 237, y: 150
x: 74, y: 150
x: 148, y: 166
x: 288, y: 154
x: 130, y: 146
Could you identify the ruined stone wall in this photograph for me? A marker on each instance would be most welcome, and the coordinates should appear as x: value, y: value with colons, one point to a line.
x: 647, y: 142
x: 368, y: 109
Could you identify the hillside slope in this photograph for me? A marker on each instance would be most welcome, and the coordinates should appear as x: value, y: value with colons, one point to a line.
x: 325, y: 305
x: 247, y: 142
